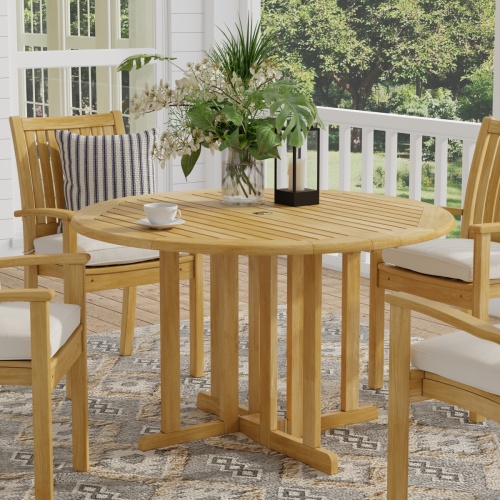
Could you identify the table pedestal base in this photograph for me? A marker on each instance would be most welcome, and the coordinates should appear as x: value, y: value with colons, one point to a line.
x: 299, y: 436
x: 292, y: 446
x: 183, y: 435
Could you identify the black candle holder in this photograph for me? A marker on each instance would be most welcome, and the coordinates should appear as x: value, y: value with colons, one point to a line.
x: 298, y: 194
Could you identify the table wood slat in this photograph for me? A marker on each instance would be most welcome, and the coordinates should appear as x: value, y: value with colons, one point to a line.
x: 342, y: 222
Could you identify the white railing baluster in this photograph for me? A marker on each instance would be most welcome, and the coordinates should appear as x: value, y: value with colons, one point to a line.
x: 345, y: 157
x: 391, y: 162
x: 282, y: 167
x: 468, y: 148
x: 367, y: 160
x: 441, y: 171
x: 324, y: 157
x: 415, y: 166
x: 416, y: 127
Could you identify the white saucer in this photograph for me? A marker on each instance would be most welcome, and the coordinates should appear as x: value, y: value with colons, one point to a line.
x: 176, y: 222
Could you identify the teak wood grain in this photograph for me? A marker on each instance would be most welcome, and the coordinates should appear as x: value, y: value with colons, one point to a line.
x: 44, y: 210
x: 408, y: 386
x: 347, y: 223
x: 342, y: 222
x: 480, y: 221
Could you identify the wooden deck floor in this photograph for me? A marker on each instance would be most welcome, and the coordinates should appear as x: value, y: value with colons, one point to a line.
x: 104, y: 308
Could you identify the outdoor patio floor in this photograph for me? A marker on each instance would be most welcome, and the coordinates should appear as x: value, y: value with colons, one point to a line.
x: 104, y: 308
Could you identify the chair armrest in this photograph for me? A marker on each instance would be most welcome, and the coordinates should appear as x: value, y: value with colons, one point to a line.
x: 485, y: 228
x: 27, y: 295
x: 447, y: 314
x: 39, y: 259
x: 58, y: 213
x: 454, y: 210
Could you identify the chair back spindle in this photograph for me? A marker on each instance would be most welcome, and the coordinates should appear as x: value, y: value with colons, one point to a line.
x: 483, y: 187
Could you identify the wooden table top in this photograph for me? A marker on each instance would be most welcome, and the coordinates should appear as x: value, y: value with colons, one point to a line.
x: 342, y: 222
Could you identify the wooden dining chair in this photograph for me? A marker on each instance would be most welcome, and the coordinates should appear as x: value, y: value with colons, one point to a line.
x: 44, y: 209
x: 41, y: 342
x: 461, y: 368
x: 462, y: 272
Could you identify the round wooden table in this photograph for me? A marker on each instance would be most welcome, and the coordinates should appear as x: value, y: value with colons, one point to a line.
x: 343, y: 222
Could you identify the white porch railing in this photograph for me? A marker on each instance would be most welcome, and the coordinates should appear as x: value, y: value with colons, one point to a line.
x: 392, y: 125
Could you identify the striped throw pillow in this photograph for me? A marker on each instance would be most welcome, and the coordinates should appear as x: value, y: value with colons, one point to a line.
x: 104, y: 167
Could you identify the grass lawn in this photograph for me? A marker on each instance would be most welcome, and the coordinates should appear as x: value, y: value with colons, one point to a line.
x: 454, y: 188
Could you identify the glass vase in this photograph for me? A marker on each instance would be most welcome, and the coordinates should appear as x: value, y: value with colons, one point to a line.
x: 242, y: 178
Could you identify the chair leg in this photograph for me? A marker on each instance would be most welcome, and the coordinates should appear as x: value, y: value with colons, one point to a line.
x: 42, y: 437
x: 376, y: 326
x: 197, y: 361
x: 30, y: 277
x: 128, y: 320
x: 480, y: 307
x: 476, y: 418
x: 79, y: 411
x: 399, y: 404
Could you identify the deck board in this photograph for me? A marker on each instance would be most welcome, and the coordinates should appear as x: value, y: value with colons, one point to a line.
x: 103, y: 308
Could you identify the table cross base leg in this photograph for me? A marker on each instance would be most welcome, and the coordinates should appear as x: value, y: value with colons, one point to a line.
x: 224, y: 355
x: 262, y: 425
x: 319, y: 458
x: 183, y: 435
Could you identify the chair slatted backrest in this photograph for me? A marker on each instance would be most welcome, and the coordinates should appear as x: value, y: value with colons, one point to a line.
x: 482, y: 202
x: 38, y: 162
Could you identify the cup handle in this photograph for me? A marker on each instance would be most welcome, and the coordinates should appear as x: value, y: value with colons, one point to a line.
x: 177, y: 214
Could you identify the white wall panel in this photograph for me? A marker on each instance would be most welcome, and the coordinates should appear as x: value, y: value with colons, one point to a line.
x: 6, y: 248
x: 187, y: 23
x: 6, y: 228
x: 4, y: 128
x: 5, y: 88
x: 6, y: 208
x: 181, y: 60
x: 187, y: 42
x: 6, y: 163
x: 186, y: 6
x: 4, y: 26
x: 5, y: 194
x: 197, y: 175
x: 4, y: 44
x: 5, y: 169
x: 5, y: 148
x: 4, y: 66
x: 4, y: 108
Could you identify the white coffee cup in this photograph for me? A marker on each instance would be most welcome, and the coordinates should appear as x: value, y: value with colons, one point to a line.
x: 162, y: 213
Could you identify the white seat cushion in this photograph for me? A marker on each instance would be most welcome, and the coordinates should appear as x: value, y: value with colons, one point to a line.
x: 460, y: 357
x: 101, y: 253
x: 15, y: 336
x: 445, y: 257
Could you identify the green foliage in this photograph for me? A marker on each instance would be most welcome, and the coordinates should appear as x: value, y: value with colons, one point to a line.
x: 242, y: 52
x: 124, y: 19
x: 235, y: 98
x: 355, y: 45
x: 403, y: 176
x: 403, y: 100
x: 140, y: 60
x: 476, y: 98
x: 82, y: 18
x: 35, y: 16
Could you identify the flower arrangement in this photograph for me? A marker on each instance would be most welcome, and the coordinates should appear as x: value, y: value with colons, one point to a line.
x: 235, y: 98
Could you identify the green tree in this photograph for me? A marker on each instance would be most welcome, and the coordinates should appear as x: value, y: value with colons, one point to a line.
x: 35, y: 16
x: 476, y: 99
x: 355, y: 44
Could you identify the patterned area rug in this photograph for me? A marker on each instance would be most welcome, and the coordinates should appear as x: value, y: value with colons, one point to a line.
x: 450, y: 457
